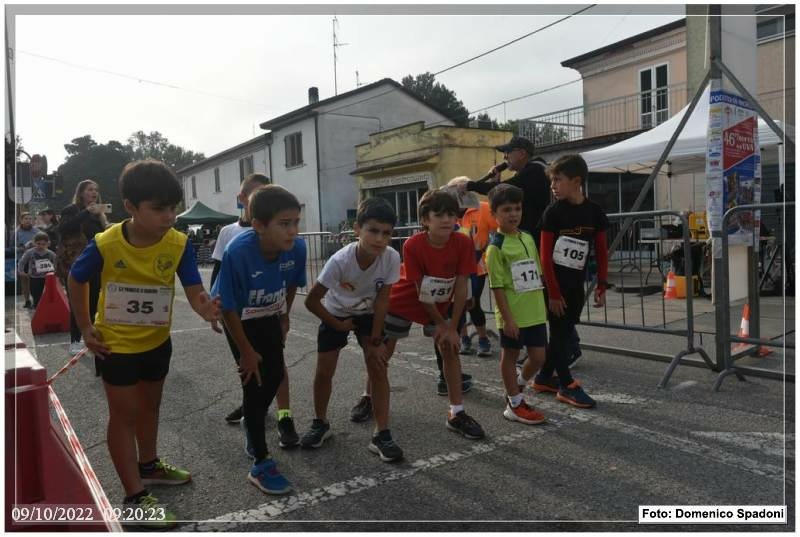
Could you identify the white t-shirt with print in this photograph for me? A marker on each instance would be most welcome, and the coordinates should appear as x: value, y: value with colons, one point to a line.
x: 352, y: 291
x: 226, y: 235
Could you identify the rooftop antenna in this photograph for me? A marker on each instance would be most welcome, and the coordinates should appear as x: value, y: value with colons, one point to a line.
x: 336, y: 45
x: 358, y: 84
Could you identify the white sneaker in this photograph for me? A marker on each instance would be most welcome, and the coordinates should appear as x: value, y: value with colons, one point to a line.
x: 75, y: 347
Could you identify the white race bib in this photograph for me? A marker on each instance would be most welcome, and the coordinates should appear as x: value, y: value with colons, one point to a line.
x: 43, y: 266
x: 128, y: 303
x: 570, y: 252
x: 525, y: 275
x: 435, y: 290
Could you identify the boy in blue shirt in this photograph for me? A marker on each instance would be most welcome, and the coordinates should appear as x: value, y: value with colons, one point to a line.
x: 137, y: 261
x: 260, y: 272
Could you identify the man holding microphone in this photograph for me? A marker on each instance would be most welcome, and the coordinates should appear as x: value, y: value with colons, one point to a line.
x: 531, y: 177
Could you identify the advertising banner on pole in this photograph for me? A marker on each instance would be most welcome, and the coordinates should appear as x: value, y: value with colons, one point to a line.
x: 733, y: 165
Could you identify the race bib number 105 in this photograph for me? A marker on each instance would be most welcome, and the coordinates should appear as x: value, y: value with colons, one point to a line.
x: 570, y: 252
x: 148, y: 305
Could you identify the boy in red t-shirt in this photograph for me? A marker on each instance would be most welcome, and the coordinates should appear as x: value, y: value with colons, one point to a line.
x: 437, y: 264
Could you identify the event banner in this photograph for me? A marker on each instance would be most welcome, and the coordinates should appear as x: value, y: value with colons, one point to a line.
x: 733, y: 165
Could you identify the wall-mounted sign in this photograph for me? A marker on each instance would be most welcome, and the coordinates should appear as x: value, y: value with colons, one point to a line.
x: 394, y: 180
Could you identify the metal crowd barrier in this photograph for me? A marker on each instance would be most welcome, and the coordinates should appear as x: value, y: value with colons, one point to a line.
x: 757, y: 256
x: 639, y: 258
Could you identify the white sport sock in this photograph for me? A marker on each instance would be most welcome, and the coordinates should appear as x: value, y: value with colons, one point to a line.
x: 515, y: 400
x: 455, y: 409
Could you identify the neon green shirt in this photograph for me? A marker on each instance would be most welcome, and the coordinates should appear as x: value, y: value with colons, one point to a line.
x: 528, y: 307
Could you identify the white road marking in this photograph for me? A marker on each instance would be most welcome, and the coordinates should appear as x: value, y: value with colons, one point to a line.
x: 767, y: 443
x: 287, y: 504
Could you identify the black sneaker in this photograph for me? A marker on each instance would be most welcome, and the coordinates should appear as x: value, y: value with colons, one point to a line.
x: 466, y: 384
x: 363, y: 410
x: 316, y: 435
x: 235, y: 416
x: 466, y: 425
x: 383, y: 446
x: 287, y: 436
x: 28, y: 305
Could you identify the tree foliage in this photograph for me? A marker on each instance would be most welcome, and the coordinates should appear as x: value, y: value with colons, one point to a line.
x: 438, y: 96
x: 156, y: 146
x: 103, y: 163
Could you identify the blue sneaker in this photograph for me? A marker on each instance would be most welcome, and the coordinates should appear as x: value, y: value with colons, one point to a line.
x: 575, y: 396
x: 248, y: 447
x: 466, y: 345
x: 266, y: 477
x: 484, y: 347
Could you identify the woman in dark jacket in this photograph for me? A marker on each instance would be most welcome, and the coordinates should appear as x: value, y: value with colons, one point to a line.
x: 80, y: 222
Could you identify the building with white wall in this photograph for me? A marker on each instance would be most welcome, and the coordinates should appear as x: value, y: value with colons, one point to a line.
x: 311, y: 152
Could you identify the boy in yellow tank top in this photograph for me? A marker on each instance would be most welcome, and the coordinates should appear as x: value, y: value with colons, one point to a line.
x: 137, y: 260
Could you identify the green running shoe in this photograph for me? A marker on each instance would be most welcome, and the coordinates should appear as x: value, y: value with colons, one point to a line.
x: 164, y: 474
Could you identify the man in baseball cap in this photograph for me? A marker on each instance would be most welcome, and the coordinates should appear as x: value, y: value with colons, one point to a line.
x: 530, y: 177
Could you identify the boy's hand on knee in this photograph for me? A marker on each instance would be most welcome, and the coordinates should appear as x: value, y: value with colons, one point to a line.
x: 377, y: 356
x: 249, y: 365
x: 557, y: 306
x: 94, y: 342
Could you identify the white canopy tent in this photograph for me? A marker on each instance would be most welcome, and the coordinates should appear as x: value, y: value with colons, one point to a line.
x: 640, y: 153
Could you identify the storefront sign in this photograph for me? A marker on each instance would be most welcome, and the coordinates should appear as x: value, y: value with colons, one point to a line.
x: 380, y: 182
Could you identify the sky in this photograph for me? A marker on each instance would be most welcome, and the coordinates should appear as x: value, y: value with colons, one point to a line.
x: 207, y: 81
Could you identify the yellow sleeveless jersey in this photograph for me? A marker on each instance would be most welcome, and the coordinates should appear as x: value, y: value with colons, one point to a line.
x: 137, y: 287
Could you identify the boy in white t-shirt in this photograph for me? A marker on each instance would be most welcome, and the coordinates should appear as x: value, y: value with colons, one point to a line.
x: 352, y: 293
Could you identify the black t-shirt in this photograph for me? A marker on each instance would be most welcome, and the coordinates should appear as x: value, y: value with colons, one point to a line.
x: 574, y: 227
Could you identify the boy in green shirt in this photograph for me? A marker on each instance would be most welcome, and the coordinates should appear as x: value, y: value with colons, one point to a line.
x: 515, y: 278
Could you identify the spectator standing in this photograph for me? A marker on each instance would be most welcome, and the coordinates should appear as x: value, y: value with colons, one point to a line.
x: 80, y: 222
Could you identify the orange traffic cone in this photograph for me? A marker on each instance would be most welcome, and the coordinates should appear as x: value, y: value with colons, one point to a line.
x: 671, y: 291
x: 744, y: 331
x: 52, y: 312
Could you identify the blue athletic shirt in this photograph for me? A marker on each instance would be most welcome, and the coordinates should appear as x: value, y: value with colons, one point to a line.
x: 252, y: 286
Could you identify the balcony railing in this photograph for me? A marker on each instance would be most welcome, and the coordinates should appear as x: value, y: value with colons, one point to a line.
x: 621, y: 114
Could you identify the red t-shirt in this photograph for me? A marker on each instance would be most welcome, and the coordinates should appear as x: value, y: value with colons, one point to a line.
x: 420, y: 259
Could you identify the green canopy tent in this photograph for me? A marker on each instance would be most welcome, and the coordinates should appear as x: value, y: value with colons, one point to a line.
x: 202, y: 214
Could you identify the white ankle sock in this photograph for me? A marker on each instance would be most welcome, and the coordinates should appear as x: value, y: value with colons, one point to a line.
x: 455, y: 409
x: 515, y: 400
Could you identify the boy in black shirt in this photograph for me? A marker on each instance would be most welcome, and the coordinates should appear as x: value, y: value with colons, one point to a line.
x: 569, y: 226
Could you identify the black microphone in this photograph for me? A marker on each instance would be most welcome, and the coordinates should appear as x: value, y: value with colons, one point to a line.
x: 499, y: 168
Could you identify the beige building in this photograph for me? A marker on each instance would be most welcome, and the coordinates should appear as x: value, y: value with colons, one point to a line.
x: 400, y: 164
x: 640, y: 82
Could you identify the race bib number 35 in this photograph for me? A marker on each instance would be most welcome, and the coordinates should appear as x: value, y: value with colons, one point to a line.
x: 525, y: 275
x: 435, y: 290
x: 571, y: 253
x: 148, y: 305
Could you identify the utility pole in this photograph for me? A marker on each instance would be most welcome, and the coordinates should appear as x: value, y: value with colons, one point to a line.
x: 358, y: 84
x: 336, y: 45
